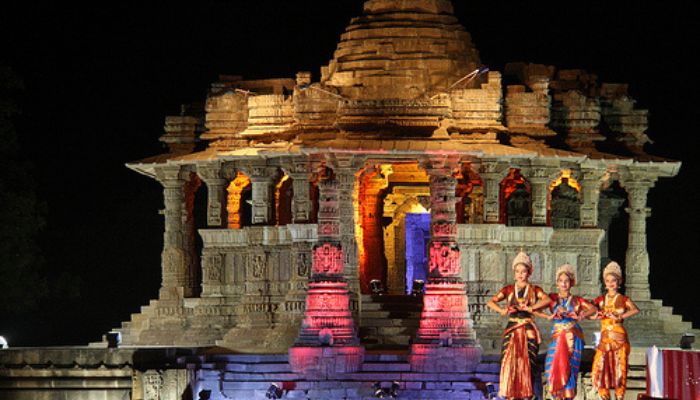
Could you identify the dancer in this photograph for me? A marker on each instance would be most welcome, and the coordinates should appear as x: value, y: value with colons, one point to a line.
x: 521, y: 339
x: 611, y: 356
x: 564, y: 353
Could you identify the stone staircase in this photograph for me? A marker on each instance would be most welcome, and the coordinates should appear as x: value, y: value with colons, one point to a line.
x: 658, y: 326
x: 389, y: 322
x: 249, y: 377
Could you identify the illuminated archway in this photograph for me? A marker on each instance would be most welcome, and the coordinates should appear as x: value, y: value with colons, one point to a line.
x: 397, y: 205
x: 470, y: 195
x: 515, y: 200
x: 237, y: 205
x: 564, y: 211
x: 283, y: 200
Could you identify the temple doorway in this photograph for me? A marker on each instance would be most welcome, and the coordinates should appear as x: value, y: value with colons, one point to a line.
x: 417, y: 226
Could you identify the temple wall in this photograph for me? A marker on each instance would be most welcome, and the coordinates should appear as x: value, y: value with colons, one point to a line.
x: 487, y: 253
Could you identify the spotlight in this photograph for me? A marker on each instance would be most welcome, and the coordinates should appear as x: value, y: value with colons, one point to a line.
x: 687, y: 341
x: 491, y: 392
x: 3, y: 342
x: 205, y: 395
x: 377, y: 287
x: 274, y: 392
x: 386, y: 392
x: 417, y: 289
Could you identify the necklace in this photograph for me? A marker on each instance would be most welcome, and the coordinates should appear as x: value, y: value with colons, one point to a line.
x: 567, y: 301
x: 521, y: 300
x: 614, y: 299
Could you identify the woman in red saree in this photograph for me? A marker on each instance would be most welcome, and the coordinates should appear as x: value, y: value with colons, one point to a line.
x: 521, y: 339
x: 610, y: 362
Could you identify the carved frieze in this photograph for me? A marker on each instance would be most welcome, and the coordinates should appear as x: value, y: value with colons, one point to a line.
x: 152, y: 385
x: 444, y: 259
x: 257, y: 265
x: 327, y: 259
x: 302, y: 263
x: 213, y: 268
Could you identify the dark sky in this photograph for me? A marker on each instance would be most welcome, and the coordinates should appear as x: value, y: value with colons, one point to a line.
x: 100, y: 79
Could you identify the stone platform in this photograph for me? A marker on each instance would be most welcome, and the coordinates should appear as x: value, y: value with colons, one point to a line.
x: 249, y: 377
x: 83, y: 373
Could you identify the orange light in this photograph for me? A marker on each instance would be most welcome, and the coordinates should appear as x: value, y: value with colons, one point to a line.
x: 233, y: 204
x: 278, y: 196
x: 571, y: 181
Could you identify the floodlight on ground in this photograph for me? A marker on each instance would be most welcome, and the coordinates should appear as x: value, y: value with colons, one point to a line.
x: 377, y: 287
x: 417, y: 288
x: 687, y: 341
x: 274, y: 392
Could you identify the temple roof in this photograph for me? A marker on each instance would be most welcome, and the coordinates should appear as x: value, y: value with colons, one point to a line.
x: 406, y: 79
x: 401, y: 50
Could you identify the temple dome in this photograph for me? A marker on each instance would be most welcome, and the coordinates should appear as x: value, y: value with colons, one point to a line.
x: 401, y: 49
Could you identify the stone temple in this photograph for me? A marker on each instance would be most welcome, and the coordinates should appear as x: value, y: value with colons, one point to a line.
x: 407, y: 161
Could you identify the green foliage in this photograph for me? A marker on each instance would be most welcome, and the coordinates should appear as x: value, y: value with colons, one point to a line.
x: 22, y: 282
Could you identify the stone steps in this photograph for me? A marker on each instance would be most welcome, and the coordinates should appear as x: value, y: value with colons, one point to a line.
x: 249, y: 377
x: 389, y: 322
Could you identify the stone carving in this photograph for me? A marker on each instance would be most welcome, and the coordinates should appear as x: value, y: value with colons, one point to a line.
x: 302, y: 264
x: 213, y: 265
x: 585, y: 270
x: 442, y: 229
x: 257, y: 265
x: 173, y: 260
x: 444, y: 259
x: 328, y: 259
x: 152, y: 385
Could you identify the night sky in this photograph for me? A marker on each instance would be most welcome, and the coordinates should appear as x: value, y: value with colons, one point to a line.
x: 99, y: 81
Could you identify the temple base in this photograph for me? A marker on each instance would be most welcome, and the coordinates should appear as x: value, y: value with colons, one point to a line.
x: 434, y: 358
x: 326, y: 362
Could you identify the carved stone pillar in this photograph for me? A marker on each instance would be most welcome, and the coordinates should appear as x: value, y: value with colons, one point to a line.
x: 446, y: 340
x: 492, y: 173
x: 637, y: 256
x: 347, y: 181
x: 327, y: 343
x: 262, y: 182
x: 174, y: 265
x: 590, y: 194
x: 540, y: 189
x: 301, y: 202
x: 216, y: 193
x: 299, y: 169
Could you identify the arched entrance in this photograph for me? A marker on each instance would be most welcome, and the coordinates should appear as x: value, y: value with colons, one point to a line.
x: 417, y: 238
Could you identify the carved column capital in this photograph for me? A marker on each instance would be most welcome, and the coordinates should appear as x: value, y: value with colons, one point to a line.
x: 301, y: 200
x: 171, y: 175
x: 212, y: 175
x: 637, y: 191
x: 539, y: 177
x: 492, y: 172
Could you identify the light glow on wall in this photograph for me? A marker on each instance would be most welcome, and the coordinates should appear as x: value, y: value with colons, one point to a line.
x: 233, y: 204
